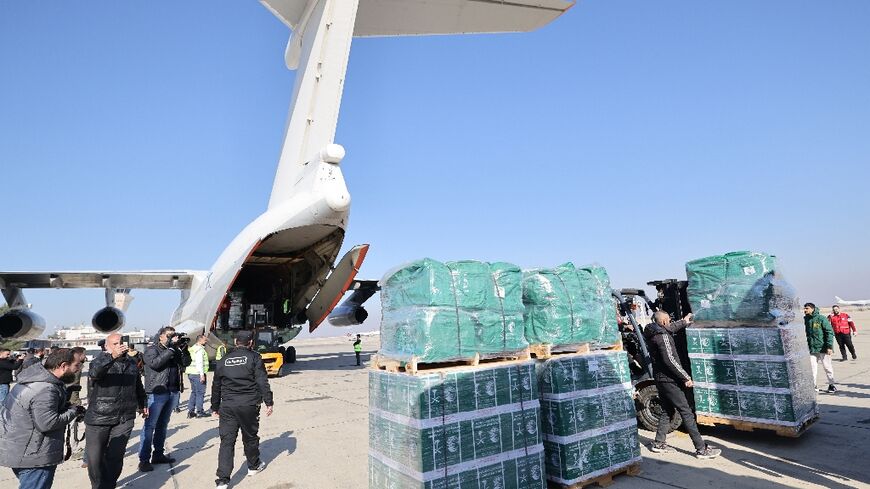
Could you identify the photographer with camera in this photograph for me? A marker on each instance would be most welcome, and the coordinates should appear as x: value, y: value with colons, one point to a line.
x: 163, y: 368
x: 8, y: 364
x: 115, y: 395
x: 34, y: 417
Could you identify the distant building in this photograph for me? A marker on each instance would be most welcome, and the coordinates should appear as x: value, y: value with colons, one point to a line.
x: 87, y: 336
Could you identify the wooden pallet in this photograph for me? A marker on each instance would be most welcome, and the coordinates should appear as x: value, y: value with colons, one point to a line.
x: 602, y: 480
x: 414, y: 366
x: 545, y: 351
x: 741, y: 425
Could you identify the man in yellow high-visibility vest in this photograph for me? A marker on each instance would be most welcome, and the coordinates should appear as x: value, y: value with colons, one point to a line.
x: 196, y: 374
x: 357, y: 347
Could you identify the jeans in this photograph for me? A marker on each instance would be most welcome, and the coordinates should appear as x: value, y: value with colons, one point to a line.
x: 4, y: 391
x: 673, y: 398
x: 160, y: 407
x: 105, y: 445
x: 815, y: 358
x: 36, y: 478
x: 197, y: 394
x: 233, y: 418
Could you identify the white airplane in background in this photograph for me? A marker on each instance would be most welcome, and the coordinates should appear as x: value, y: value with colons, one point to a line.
x: 282, y: 261
x: 861, y: 303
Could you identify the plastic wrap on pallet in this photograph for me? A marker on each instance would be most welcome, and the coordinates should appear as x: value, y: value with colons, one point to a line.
x: 588, y: 416
x: 567, y: 305
x: 759, y: 375
x: 441, y: 312
x: 475, y: 428
x: 739, y: 289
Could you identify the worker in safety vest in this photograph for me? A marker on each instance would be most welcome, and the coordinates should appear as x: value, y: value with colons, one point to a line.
x: 196, y: 375
x: 357, y: 347
x: 220, y: 352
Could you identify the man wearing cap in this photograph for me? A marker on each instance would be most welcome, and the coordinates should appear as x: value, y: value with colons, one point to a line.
x: 240, y: 385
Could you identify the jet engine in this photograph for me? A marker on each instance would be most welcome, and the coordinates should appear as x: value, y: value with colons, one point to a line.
x: 21, y: 324
x: 108, y: 319
x: 348, y: 315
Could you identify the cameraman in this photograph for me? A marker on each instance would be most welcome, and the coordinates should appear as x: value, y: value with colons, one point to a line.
x: 8, y: 365
x: 115, y: 394
x: 163, y: 367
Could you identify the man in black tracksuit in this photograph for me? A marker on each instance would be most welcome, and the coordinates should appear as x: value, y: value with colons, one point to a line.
x: 240, y: 385
x: 673, y: 384
x: 115, y: 394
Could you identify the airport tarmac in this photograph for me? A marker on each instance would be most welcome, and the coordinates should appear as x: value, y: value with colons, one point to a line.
x: 318, y: 438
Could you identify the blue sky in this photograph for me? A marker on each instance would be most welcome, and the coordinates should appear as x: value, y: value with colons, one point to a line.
x: 634, y: 134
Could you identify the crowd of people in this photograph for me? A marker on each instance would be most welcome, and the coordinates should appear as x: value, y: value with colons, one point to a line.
x: 36, y: 412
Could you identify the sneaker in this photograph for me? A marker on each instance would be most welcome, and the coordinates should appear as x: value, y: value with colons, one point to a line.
x: 832, y: 388
x: 843, y: 359
x: 190, y: 414
x: 162, y: 459
x: 145, y: 467
x: 708, y: 452
x: 657, y: 447
x: 256, y: 470
x: 854, y: 358
x: 222, y: 484
x: 204, y: 414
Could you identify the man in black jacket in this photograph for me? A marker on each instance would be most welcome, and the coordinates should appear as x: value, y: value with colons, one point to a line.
x: 162, y: 384
x: 7, y: 366
x: 673, y: 384
x: 240, y: 385
x: 115, y: 394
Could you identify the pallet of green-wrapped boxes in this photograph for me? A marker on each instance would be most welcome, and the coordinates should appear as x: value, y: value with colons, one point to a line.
x: 588, y: 418
x: 753, y: 378
x: 456, y: 428
x: 750, y: 363
x: 463, y: 312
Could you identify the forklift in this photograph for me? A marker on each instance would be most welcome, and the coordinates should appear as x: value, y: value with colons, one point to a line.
x: 632, y: 305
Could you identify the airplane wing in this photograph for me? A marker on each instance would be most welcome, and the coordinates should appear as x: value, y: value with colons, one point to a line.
x: 427, y: 17
x: 98, y: 279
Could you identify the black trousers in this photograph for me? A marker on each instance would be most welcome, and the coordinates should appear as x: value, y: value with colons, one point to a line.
x: 233, y: 419
x: 673, y: 399
x: 104, y: 449
x: 845, y: 340
x: 357, y: 357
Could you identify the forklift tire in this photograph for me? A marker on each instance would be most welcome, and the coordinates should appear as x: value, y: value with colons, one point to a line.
x: 290, y: 355
x: 649, y: 409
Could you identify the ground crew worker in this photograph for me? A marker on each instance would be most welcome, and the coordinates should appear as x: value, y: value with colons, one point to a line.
x: 820, y: 340
x: 843, y: 328
x: 673, y: 384
x: 239, y: 386
x: 196, y: 375
x: 357, y: 347
x: 220, y: 352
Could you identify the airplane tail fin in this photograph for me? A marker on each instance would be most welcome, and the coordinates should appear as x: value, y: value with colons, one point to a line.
x: 841, y: 301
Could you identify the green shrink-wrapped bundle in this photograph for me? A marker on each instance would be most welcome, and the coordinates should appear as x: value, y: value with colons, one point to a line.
x: 567, y: 306
x: 440, y: 312
x: 588, y: 418
x: 760, y: 375
x: 474, y: 428
x: 740, y: 289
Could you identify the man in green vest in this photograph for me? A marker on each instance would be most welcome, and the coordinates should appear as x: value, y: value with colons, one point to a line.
x: 357, y: 347
x: 220, y: 352
x: 196, y: 375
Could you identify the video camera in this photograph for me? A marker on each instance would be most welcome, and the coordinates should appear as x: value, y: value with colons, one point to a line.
x: 181, y: 339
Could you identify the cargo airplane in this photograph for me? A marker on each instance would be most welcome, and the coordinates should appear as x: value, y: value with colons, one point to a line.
x: 859, y: 303
x: 280, y: 271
